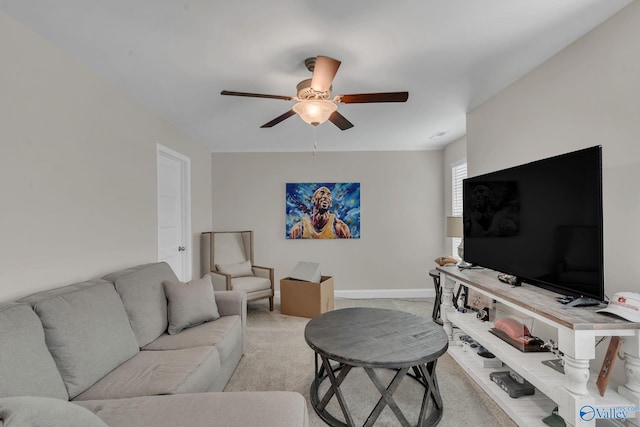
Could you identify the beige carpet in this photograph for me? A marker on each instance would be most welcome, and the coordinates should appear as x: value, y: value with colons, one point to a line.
x: 278, y: 358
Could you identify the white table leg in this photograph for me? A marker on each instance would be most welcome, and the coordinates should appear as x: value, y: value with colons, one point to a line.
x: 447, y: 285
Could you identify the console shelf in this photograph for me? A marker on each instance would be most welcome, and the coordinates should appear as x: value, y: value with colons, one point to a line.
x: 577, y: 329
x: 525, y: 410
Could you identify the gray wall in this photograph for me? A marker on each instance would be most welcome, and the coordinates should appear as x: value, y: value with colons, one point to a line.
x: 454, y: 153
x: 78, y: 170
x: 401, y: 219
x: 586, y: 95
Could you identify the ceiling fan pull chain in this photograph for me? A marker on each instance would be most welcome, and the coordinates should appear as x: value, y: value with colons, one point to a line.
x: 315, y: 140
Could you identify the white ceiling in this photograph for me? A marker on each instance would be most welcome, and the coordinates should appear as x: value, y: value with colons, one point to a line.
x: 176, y: 56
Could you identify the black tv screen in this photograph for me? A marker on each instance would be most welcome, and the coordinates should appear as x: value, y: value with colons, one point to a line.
x: 540, y: 222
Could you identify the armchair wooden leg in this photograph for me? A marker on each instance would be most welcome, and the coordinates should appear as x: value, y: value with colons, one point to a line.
x: 270, y: 303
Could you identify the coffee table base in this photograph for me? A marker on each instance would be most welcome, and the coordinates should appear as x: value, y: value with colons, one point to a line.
x: 430, y: 410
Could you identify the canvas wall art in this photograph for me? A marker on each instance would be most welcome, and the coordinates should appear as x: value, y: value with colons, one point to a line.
x: 323, y: 210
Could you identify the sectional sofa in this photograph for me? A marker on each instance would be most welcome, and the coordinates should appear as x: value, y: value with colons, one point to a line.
x: 134, y: 348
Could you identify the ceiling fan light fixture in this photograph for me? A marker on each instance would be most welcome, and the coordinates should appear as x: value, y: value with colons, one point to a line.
x: 315, y: 111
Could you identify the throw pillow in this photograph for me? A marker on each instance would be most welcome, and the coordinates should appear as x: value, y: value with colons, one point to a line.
x: 236, y: 270
x: 45, y: 412
x: 190, y: 304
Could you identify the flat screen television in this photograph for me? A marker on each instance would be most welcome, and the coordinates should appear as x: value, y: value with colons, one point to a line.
x: 540, y: 222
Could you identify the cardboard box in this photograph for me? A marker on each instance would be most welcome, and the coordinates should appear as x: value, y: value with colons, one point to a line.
x: 306, y: 299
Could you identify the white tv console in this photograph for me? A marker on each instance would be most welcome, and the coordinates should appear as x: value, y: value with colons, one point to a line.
x: 574, y: 392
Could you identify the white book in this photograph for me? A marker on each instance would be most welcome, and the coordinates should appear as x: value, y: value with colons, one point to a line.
x: 307, y: 271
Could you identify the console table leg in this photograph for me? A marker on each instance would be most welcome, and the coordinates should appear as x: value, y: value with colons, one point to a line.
x: 632, y: 368
x: 570, y: 405
x: 446, y: 285
x: 576, y: 374
x: 630, y: 351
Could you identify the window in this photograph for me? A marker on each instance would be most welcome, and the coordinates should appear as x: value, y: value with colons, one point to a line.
x: 458, y: 173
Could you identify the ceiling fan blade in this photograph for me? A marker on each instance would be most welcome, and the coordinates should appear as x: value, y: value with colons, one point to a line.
x: 278, y: 119
x: 340, y: 121
x: 323, y: 73
x: 256, y: 95
x: 362, y: 98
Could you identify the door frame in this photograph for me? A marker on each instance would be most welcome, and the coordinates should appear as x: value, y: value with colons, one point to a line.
x: 185, y: 209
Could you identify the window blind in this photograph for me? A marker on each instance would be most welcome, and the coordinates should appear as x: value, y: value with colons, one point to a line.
x: 458, y: 173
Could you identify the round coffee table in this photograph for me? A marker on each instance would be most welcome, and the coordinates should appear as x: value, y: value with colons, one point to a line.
x: 372, y: 338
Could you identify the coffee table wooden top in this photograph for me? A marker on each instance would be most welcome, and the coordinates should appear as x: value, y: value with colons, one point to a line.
x: 376, y: 337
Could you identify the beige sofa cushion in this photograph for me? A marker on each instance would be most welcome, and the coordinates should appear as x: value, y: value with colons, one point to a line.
x: 152, y: 373
x: 225, y: 333
x: 31, y: 411
x: 264, y: 409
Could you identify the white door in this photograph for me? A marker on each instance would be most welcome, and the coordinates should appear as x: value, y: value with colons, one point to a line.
x: 174, y: 211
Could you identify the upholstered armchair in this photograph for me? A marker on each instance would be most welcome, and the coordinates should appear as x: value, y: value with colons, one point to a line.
x: 228, y: 257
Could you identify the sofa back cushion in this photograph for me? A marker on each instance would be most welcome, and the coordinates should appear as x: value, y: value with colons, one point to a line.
x: 26, y: 366
x: 34, y: 411
x: 87, y: 331
x: 144, y: 299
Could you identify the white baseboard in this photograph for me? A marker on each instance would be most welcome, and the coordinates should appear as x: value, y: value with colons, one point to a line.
x: 381, y: 293
x: 385, y: 293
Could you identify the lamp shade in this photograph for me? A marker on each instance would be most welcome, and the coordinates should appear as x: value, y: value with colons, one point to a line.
x: 454, y: 226
x: 315, y: 111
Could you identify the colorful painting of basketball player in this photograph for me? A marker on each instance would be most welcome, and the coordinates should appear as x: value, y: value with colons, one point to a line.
x: 323, y: 210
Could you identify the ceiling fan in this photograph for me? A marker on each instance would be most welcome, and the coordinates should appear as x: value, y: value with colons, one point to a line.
x: 314, y: 103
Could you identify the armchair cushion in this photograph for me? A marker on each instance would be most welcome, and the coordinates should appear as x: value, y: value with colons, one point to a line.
x: 240, y: 269
x: 250, y: 284
x: 190, y: 304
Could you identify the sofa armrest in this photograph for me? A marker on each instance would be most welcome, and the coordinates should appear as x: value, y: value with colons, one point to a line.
x: 233, y: 302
